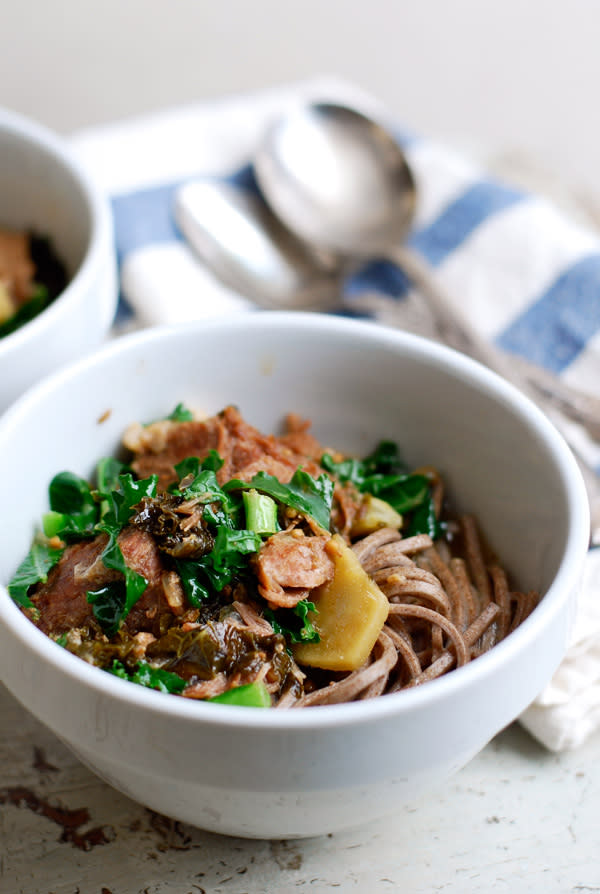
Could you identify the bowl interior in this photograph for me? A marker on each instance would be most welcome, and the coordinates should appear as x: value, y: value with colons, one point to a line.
x: 40, y: 191
x: 358, y: 383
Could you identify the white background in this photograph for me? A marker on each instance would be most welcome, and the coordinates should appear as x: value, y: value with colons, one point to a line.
x: 517, y: 76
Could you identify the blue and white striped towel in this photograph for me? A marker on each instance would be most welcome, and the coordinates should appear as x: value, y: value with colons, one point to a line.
x: 527, y: 275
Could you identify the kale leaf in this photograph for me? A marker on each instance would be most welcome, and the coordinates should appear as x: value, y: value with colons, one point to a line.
x: 180, y: 414
x: 383, y: 474
x: 308, y: 495
x: 73, y: 509
x: 151, y: 677
x: 26, y: 311
x: 198, y: 481
x: 34, y: 569
x: 294, y: 623
x: 108, y: 604
x: 108, y: 470
x: 224, y: 511
x: 120, y: 507
x: 216, y: 569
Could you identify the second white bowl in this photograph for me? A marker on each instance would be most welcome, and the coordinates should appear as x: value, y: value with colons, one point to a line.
x: 43, y: 188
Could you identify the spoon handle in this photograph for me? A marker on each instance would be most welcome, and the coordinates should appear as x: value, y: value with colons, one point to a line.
x: 553, y: 397
x: 548, y: 390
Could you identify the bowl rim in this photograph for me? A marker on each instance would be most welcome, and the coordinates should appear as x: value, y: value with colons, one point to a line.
x: 104, y: 684
x: 101, y: 226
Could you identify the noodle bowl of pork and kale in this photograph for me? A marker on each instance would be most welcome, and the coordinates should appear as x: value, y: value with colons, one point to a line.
x: 31, y: 277
x: 220, y: 563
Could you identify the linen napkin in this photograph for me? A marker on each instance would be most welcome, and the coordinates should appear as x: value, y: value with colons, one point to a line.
x: 526, y: 272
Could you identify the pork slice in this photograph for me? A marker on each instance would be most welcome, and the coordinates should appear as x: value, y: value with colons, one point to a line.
x: 252, y: 451
x: 17, y: 270
x: 243, y: 448
x: 299, y: 438
x: 347, y: 502
x: 141, y: 554
x: 288, y: 567
x: 61, y: 600
x: 158, y: 447
x: 279, y: 469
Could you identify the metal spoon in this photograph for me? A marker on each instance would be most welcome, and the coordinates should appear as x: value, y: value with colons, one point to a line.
x: 249, y: 249
x: 340, y: 181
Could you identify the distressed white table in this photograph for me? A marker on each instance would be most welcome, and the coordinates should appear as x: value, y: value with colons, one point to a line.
x: 516, y: 819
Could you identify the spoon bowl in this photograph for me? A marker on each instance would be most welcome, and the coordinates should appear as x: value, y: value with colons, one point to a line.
x: 338, y: 179
x: 248, y: 248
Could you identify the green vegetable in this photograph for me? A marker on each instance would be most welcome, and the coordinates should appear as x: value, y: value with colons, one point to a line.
x: 252, y: 695
x: 120, y: 506
x: 33, y: 569
x: 180, y: 414
x: 151, y: 677
x: 54, y: 523
x: 135, y: 584
x: 108, y: 471
x: 382, y: 475
x: 304, y: 493
x: 198, y: 481
x: 424, y: 521
x: 192, y: 465
x: 218, y: 567
x: 229, y: 546
x: 108, y: 604
x: 123, y: 498
x: 73, y: 509
x: 294, y: 623
x: 74, y: 514
x: 261, y: 512
x: 308, y: 495
x: 223, y: 511
x: 27, y: 311
x: 384, y: 460
x: 70, y: 494
x: 191, y: 573
x: 402, y: 492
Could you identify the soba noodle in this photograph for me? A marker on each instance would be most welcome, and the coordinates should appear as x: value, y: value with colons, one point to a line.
x: 444, y: 612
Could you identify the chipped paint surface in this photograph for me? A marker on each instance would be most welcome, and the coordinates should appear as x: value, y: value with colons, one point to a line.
x: 516, y: 819
x: 70, y: 821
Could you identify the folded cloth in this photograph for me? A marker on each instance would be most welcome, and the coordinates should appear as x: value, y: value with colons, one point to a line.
x: 526, y: 274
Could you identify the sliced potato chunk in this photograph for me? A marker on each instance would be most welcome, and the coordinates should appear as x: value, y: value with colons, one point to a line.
x: 351, y: 612
x: 8, y: 307
x: 373, y: 515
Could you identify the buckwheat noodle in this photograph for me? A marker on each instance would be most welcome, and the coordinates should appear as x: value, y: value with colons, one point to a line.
x: 445, y: 610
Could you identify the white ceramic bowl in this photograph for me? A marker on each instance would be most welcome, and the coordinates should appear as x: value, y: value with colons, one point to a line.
x: 42, y: 187
x: 262, y: 773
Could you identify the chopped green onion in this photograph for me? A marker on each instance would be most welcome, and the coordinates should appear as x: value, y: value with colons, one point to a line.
x: 261, y: 512
x: 252, y: 695
x: 53, y: 523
